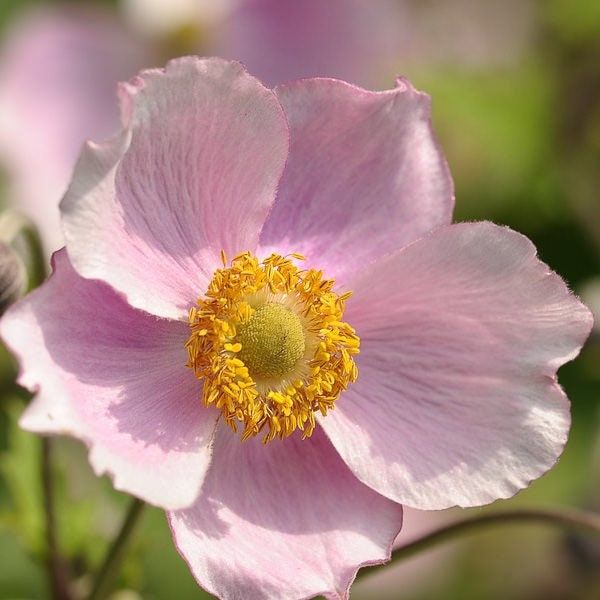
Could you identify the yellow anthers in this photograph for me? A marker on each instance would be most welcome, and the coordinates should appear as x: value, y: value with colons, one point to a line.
x: 270, y: 345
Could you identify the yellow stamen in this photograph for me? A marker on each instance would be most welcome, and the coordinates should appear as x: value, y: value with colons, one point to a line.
x: 270, y: 345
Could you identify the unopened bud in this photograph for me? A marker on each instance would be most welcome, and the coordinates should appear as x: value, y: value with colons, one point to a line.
x: 13, y: 277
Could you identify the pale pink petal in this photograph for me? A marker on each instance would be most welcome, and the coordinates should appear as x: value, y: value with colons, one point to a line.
x: 280, y: 40
x: 59, y: 69
x: 208, y: 145
x: 115, y: 378
x: 283, y: 521
x: 456, y: 401
x: 364, y: 177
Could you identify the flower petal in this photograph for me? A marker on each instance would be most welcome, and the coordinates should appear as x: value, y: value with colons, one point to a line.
x: 208, y: 146
x: 286, y: 520
x: 364, y: 177
x: 456, y: 401
x: 120, y: 384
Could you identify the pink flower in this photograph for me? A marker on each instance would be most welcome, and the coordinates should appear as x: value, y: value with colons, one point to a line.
x: 362, y: 41
x: 182, y: 280
x: 58, y: 72
x: 280, y: 40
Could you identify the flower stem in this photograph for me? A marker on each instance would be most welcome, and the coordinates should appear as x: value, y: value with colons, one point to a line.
x: 585, y: 522
x: 14, y: 225
x: 114, y: 556
x: 59, y: 582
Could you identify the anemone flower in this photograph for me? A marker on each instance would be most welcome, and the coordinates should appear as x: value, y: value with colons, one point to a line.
x: 264, y: 322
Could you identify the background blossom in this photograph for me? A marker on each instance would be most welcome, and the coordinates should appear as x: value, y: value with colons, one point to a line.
x: 57, y: 89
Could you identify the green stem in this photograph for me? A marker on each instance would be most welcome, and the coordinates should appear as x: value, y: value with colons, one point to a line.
x: 57, y: 573
x: 16, y: 228
x: 114, y: 556
x: 571, y: 519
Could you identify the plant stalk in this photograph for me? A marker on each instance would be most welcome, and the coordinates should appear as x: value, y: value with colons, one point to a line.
x: 570, y: 519
x: 115, y: 553
x: 57, y: 572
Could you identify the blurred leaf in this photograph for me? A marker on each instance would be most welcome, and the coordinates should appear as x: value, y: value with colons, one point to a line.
x: 8, y: 8
x: 165, y: 573
x: 89, y: 509
x: 20, y: 577
x: 19, y: 468
x: 574, y: 20
x: 497, y: 130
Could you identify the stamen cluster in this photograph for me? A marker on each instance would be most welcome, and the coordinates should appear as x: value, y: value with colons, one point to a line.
x: 287, y: 401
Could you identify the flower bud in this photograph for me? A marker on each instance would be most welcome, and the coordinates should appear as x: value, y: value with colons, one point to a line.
x: 12, y: 277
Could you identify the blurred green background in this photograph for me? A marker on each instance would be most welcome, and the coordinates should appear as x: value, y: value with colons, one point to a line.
x: 519, y: 120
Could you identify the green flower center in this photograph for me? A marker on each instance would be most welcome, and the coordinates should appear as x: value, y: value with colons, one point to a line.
x: 272, y: 341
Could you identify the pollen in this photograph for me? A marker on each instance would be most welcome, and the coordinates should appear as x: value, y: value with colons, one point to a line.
x: 269, y: 343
